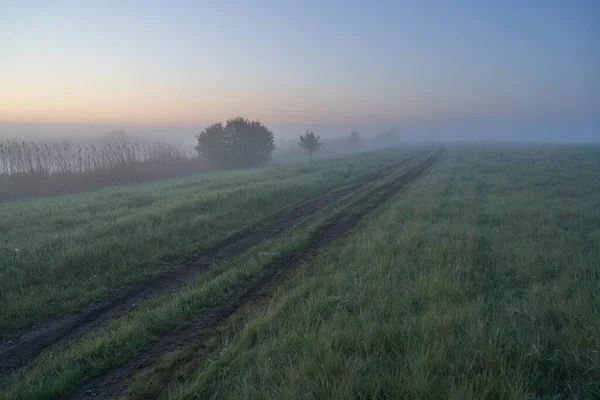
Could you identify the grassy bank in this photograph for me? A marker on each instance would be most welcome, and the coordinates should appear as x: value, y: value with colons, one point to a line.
x: 478, y: 279
x: 481, y: 281
x: 59, y: 253
x: 62, y: 370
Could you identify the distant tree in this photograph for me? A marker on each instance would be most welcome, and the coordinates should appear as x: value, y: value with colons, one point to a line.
x: 354, y: 141
x: 238, y: 143
x: 389, y: 138
x: 310, y: 142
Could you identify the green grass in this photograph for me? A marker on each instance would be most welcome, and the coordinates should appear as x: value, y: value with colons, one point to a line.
x: 479, y: 280
x: 58, y: 254
x: 62, y: 370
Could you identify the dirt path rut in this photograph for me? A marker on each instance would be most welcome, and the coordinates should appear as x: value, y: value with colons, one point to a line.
x: 21, y: 350
x: 113, y: 383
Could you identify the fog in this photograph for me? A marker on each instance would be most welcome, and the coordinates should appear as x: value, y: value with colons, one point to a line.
x: 40, y: 159
x: 557, y: 129
x: 495, y: 71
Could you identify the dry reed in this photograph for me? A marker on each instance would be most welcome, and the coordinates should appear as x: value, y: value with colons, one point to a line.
x: 36, y: 169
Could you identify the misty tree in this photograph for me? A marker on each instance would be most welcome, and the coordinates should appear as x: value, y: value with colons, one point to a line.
x: 310, y: 142
x: 211, y: 145
x: 354, y: 141
x: 389, y: 138
x: 239, y: 143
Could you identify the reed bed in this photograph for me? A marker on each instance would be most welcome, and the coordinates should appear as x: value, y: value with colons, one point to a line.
x: 29, y: 169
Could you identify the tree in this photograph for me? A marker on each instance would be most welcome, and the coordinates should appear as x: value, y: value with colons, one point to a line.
x: 389, y: 138
x: 240, y: 143
x: 211, y: 145
x: 354, y: 141
x: 310, y: 142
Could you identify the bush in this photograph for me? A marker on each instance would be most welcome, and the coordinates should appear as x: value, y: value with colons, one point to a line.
x: 239, y: 143
x: 310, y: 142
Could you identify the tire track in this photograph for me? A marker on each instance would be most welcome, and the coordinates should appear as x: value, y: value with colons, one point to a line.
x: 17, y: 353
x: 112, y: 383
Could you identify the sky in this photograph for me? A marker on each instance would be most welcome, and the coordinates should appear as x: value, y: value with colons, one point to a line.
x: 176, y: 66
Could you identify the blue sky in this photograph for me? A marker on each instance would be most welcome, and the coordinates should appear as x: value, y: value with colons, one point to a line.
x: 292, y: 63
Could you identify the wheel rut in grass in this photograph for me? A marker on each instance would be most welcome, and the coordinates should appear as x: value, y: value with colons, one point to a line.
x: 18, y: 352
x: 112, y: 383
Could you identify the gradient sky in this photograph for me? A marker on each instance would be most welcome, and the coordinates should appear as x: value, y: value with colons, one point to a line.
x: 167, y: 63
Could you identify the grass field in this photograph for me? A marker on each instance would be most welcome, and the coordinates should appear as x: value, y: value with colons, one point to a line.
x: 59, y: 253
x: 472, y: 272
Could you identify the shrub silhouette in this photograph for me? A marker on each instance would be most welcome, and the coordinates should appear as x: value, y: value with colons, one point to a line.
x: 310, y: 142
x: 353, y: 141
x: 237, y: 144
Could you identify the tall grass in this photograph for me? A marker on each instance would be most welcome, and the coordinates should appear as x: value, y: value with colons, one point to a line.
x: 59, y: 253
x: 37, y: 168
x: 479, y: 282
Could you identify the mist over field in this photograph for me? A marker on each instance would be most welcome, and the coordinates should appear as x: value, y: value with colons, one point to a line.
x: 554, y: 129
x: 299, y: 199
x: 491, y: 72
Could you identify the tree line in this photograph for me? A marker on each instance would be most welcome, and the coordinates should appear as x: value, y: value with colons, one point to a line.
x: 241, y: 143
x: 29, y: 169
